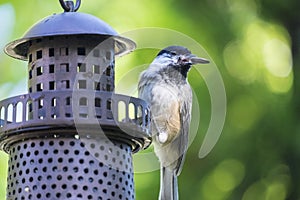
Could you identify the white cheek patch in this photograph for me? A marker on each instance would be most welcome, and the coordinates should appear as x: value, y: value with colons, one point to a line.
x: 175, y: 59
x: 161, y: 60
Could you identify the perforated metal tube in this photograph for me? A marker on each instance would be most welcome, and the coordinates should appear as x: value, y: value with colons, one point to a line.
x: 63, y: 168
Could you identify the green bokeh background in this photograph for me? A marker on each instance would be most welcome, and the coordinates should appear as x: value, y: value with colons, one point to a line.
x: 254, y: 43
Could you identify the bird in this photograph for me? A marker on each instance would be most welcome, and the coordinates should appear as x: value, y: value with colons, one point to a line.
x: 164, y: 86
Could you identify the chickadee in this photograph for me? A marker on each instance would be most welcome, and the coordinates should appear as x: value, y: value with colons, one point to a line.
x: 164, y: 86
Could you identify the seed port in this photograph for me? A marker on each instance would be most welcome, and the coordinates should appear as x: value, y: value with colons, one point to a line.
x: 51, y: 52
x: 81, y: 51
x: 39, y: 54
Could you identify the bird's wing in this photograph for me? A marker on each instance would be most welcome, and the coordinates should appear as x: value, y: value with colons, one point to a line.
x: 185, y: 119
x: 165, y: 111
x: 171, y: 115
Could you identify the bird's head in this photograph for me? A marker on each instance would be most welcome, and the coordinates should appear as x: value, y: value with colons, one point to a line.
x: 177, y: 57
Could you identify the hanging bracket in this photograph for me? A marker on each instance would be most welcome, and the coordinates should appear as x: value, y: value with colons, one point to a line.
x: 69, y: 6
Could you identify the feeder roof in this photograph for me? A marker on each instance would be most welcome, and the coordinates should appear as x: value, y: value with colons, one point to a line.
x: 68, y: 23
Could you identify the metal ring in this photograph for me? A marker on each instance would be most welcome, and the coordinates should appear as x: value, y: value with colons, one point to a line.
x: 77, y: 5
x: 68, y: 6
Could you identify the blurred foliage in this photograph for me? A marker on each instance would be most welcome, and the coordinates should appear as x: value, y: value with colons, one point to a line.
x: 254, y: 43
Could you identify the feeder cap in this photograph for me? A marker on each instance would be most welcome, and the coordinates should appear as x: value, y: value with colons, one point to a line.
x: 68, y: 23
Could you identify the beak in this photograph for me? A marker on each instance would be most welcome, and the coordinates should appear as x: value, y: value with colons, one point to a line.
x: 197, y: 60
x: 192, y: 60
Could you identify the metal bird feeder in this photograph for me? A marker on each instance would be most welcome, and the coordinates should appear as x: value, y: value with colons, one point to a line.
x: 66, y: 138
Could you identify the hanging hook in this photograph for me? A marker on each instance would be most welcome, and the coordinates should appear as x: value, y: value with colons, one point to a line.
x: 68, y: 6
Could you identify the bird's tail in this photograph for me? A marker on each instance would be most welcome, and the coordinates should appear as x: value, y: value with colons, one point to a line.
x: 168, y: 184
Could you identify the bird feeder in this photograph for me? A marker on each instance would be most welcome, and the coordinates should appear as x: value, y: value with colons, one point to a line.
x: 71, y: 136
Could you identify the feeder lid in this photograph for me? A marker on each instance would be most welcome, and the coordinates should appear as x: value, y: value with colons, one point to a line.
x: 68, y: 23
